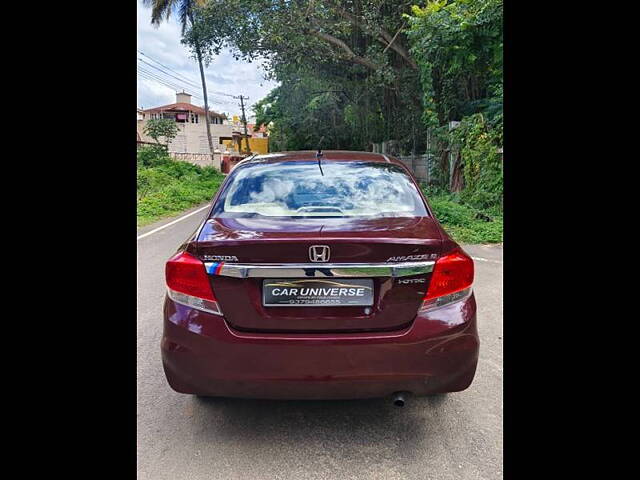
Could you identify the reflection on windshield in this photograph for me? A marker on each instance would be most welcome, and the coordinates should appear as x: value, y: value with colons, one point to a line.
x: 298, y: 189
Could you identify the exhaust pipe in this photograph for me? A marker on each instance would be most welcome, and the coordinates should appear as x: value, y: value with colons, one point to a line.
x: 398, y: 399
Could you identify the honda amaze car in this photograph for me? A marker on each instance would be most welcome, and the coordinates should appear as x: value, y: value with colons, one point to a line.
x: 319, y: 276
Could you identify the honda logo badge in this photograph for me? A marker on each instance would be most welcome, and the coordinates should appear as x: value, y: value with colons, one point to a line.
x: 319, y: 253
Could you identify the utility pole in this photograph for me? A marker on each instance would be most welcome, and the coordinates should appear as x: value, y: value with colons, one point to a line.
x: 244, y: 120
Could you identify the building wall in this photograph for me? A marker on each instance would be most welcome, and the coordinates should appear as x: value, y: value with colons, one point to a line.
x: 183, y: 98
x: 192, y: 137
x: 202, y: 159
x: 257, y: 145
x: 420, y: 165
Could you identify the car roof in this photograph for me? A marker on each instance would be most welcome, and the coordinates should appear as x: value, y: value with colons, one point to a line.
x: 327, y: 156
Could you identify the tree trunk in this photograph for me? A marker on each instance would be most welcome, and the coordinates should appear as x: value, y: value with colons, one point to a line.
x: 204, y: 93
x: 457, y: 178
x: 443, y: 151
x: 206, y: 102
x: 349, y: 55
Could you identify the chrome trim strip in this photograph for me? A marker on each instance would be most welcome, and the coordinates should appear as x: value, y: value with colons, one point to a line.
x: 300, y: 270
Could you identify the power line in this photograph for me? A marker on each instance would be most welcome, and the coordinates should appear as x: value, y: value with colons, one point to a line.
x: 153, y: 77
x: 220, y: 102
x: 222, y: 93
x: 162, y: 80
x: 172, y: 82
x: 158, y: 81
x: 187, y: 79
x: 167, y: 73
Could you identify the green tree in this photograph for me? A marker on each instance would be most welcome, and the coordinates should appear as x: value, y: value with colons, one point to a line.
x: 162, y: 9
x: 478, y: 142
x: 161, y: 127
x: 458, y: 47
x: 345, y: 70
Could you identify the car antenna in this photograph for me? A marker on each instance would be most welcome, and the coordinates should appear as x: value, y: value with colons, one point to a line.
x: 319, y: 155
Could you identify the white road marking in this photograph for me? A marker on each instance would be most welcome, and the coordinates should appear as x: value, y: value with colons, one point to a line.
x: 171, y: 223
x: 486, y: 260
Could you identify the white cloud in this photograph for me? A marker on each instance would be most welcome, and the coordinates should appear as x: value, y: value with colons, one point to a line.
x: 224, y: 74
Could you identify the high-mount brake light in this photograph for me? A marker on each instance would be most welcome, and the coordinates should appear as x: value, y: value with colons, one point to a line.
x: 189, y: 284
x: 451, y: 280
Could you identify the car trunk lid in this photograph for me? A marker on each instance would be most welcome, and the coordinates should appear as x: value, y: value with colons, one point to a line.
x: 386, y: 241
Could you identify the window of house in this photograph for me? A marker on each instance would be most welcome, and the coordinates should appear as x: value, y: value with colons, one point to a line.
x: 194, y: 118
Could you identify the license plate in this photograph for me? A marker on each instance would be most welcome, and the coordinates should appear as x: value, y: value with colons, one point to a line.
x: 287, y: 292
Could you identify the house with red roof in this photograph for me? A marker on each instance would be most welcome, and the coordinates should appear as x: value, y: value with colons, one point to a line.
x: 183, y: 111
x: 192, y: 129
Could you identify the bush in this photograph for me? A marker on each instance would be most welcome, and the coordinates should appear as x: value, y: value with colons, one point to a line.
x: 152, y: 156
x: 167, y: 187
x: 151, y: 180
x: 465, y: 223
x: 479, y: 141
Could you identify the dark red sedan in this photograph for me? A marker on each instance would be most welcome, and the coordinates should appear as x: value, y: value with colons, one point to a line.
x: 320, y: 276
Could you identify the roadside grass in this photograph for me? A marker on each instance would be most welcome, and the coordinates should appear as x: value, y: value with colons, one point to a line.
x: 167, y: 187
x: 464, y: 223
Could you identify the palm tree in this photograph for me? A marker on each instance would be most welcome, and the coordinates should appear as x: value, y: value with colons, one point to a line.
x: 162, y: 10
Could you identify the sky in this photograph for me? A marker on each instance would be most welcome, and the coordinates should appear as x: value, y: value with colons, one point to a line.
x: 161, y: 47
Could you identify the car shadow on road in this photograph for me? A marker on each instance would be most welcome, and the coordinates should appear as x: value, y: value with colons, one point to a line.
x: 352, y: 427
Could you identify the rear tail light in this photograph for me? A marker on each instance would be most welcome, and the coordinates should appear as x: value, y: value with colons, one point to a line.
x: 451, y: 280
x: 188, y: 283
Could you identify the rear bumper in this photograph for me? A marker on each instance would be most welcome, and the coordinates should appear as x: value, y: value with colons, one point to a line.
x: 202, y: 355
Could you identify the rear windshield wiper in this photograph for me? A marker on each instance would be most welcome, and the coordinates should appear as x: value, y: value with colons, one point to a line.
x: 319, y: 209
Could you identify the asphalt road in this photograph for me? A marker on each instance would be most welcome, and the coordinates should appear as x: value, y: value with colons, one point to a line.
x: 458, y: 436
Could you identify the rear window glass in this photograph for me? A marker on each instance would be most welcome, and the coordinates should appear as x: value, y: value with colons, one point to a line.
x: 300, y: 189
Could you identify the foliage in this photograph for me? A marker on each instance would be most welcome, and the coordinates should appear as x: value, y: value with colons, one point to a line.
x: 161, y: 127
x: 167, y: 187
x: 162, y: 9
x: 458, y: 48
x: 478, y: 142
x: 152, y: 155
x: 356, y: 72
x: 344, y: 69
x: 463, y: 222
x: 184, y: 9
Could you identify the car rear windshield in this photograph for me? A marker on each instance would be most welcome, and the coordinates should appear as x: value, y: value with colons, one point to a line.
x: 301, y: 189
